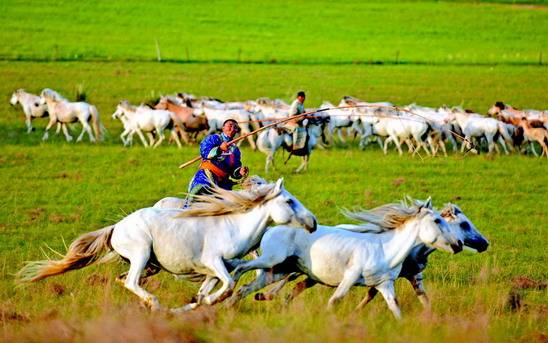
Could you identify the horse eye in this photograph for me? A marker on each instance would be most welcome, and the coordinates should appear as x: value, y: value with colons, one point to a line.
x: 290, y: 202
x: 465, y: 226
x: 437, y: 221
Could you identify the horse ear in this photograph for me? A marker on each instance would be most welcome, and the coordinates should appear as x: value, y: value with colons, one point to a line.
x: 279, y: 185
x: 448, y: 211
x: 428, y: 203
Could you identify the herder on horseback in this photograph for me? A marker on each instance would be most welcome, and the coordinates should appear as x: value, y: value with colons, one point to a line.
x: 297, y: 127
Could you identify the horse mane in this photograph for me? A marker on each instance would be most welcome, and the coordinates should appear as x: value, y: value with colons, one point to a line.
x: 223, y: 202
x: 387, y: 217
x: 52, y: 94
x: 500, y: 105
x: 127, y: 105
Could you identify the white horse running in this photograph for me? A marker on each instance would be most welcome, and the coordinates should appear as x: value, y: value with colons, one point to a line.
x: 413, y: 265
x: 339, y: 118
x: 144, y: 119
x: 402, y: 127
x: 31, y: 106
x: 194, y: 242
x: 476, y: 126
x: 342, y: 259
x: 62, y: 111
x: 440, y: 124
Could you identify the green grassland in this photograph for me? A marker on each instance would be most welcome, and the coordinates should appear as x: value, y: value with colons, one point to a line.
x: 275, y: 31
x: 54, y: 191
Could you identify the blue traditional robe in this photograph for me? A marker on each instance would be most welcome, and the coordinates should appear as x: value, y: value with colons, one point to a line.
x: 228, y: 162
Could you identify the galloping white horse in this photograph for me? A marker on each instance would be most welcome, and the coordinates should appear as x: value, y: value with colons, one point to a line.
x: 142, y: 118
x: 413, y: 265
x: 31, y: 106
x: 194, y: 242
x: 65, y: 112
x: 342, y: 259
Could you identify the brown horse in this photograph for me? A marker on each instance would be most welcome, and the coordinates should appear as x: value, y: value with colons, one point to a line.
x: 535, y: 134
x: 192, y: 124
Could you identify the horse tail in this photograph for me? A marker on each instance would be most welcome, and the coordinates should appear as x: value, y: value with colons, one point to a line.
x: 97, y: 126
x: 84, y: 251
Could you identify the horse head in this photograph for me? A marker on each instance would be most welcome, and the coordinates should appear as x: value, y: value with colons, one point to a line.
x: 435, y: 231
x: 121, y: 109
x: 285, y: 209
x: 15, y: 96
x: 464, y: 228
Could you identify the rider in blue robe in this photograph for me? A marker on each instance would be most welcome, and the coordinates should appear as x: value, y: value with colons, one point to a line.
x: 221, y: 162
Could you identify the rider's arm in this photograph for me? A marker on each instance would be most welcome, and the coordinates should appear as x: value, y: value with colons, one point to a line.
x: 209, y: 148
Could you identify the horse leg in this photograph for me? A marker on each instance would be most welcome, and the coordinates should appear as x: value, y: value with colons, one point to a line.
x: 274, y: 291
x: 66, y: 132
x: 260, y: 282
x: 416, y: 282
x: 386, y: 141
x: 503, y: 144
x: 299, y: 288
x: 161, y: 135
x: 251, y: 142
x: 389, y: 295
x: 350, y: 277
x: 398, y: 145
x: 371, y: 293
x: 175, y: 136
x: 141, y: 136
x: 490, y: 144
x: 339, y: 133
x: 86, y: 128
x: 207, y: 286
x: 138, y: 260
x: 52, y: 121
x: 28, y: 122
x: 269, y: 162
x: 304, y: 164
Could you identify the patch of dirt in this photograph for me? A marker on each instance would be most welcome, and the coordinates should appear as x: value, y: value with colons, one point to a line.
x: 61, y: 218
x: 12, y: 316
x: 49, y: 315
x: 36, y: 213
x: 456, y: 198
x: 523, y: 282
x: 57, y: 289
x: 399, y: 181
x: 66, y: 175
x: 96, y: 280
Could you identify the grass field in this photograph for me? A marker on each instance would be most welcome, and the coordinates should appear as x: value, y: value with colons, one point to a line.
x: 54, y: 191
x: 276, y: 31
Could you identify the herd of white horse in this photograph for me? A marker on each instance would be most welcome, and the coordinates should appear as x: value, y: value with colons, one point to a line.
x: 207, y: 242
x: 420, y: 128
